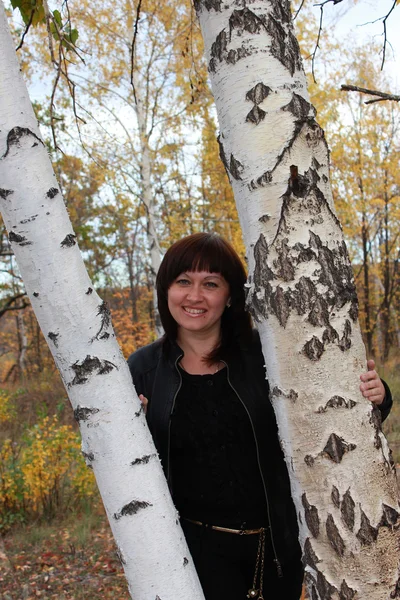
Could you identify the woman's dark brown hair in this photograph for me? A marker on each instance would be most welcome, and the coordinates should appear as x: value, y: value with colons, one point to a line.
x: 207, y: 252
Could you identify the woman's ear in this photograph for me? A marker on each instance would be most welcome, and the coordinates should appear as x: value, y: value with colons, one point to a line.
x: 228, y: 304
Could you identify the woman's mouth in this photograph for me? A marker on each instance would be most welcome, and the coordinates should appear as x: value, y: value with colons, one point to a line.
x: 194, y: 311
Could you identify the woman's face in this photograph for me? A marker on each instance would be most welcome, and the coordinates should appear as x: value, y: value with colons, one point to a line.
x: 196, y: 300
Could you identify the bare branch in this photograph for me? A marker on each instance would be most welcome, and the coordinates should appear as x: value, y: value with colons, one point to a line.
x: 25, y: 32
x: 135, y: 30
x: 381, y: 95
x: 9, y: 304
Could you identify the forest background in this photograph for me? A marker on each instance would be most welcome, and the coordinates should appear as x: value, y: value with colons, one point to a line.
x: 133, y: 143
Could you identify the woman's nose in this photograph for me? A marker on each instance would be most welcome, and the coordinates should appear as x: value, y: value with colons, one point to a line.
x: 194, y: 293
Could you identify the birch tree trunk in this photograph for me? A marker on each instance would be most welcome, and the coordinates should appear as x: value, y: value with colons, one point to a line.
x: 77, y: 325
x: 302, y: 296
x: 147, y: 199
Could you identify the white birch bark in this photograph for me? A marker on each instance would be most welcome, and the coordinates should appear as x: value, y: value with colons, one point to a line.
x: 302, y: 296
x: 147, y: 199
x: 77, y: 325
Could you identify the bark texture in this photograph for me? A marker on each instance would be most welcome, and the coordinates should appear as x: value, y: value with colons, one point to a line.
x: 77, y: 324
x: 302, y: 296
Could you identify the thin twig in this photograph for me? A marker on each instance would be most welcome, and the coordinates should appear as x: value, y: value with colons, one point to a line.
x: 381, y: 95
x: 298, y: 10
x: 135, y: 30
x: 25, y: 32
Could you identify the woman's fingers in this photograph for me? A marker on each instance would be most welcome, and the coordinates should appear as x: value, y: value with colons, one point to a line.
x: 372, y: 387
x: 144, y: 402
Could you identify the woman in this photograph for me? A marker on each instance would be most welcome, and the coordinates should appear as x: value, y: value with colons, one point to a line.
x: 206, y: 395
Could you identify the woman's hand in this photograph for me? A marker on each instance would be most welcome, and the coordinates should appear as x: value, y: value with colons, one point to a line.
x: 372, y: 387
x: 144, y: 402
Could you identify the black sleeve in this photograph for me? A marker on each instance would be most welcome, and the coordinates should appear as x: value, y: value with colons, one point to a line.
x: 387, y: 403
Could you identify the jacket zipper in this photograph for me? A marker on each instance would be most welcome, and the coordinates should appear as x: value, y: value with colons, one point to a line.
x: 172, y: 410
x: 276, y: 560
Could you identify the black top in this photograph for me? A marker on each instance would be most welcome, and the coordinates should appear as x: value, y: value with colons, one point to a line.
x: 214, y: 467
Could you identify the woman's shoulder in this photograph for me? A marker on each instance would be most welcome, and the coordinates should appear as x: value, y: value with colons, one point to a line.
x: 146, y: 358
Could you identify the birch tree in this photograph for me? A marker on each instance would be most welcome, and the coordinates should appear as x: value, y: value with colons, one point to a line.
x: 76, y: 323
x: 302, y: 296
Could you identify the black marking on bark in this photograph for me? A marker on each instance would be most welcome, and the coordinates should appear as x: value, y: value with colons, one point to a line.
x: 15, y: 135
x: 53, y: 337
x: 337, y: 402
x: 280, y: 305
x: 299, y: 107
x: 396, y: 591
x: 36, y: 294
x: 314, y: 349
x: 5, y: 193
x: 309, y: 556
x: 218, y: 50
x: 325, y: 589
x: 261, y: 181
x: 335, y: 496
x: 82, y: 413
x: 121, y: 556
x: 336, y: 447
x: 390, y: 517
x: 91, y: 365
x: 131, y: 509
x: 309, y: 460
x: 245, y: 20
x: 345, y: 341
x: 291, y: 395
x: 314, y: 594
x: 330, y: 335
x: 316, y: 165
x: 144, y: 460
x: 262, y: 277
x: 185, y: 561
x: 222, y: 154
x: 376, y: 421
x: 18, y: 239
x: 347, y: 510
x: 52, y: 193
x: 319, y: 315
x: 346, y: 592
x: 256, y: 115
x: 89, y: 291
x: 311, y: 515
x: 353, y: 311
x: 334, y: 536
x: 366, y: 534
x: 68, y: 241
x: 235, y: 168
x: 258, y: 93
x: 89, y: 456
x: 140, y: 411
x: 284, y: 46
x: 199, y: 5
x: 104, y: 312
x: 283, y: 264
x: 32, y: 218
x: 264, y: 218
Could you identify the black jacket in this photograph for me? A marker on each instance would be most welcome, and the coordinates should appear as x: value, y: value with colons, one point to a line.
x: 156, y: 375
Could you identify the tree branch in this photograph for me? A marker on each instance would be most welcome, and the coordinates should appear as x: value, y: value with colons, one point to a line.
x: 381, y: 95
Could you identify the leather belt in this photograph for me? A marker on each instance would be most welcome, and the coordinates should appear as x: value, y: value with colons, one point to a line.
x: 227, y: 529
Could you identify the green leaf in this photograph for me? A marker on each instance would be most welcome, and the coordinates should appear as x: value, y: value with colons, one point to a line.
x: 57, y: 18
x: 26, y: 7
x: 74, y: 36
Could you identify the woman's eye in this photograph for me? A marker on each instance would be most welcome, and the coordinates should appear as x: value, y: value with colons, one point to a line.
x: 211, y: 284
x: 182, y: 281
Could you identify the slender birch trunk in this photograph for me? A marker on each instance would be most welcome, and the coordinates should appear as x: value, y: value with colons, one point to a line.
x: 302, y: 295
x: 77, y: 326
x: 148, y: 201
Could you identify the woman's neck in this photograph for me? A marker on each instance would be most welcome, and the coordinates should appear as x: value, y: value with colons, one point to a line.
x: 196, y: 348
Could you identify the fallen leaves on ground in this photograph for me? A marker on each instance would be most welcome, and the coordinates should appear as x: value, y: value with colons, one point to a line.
x: 59, y: 566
